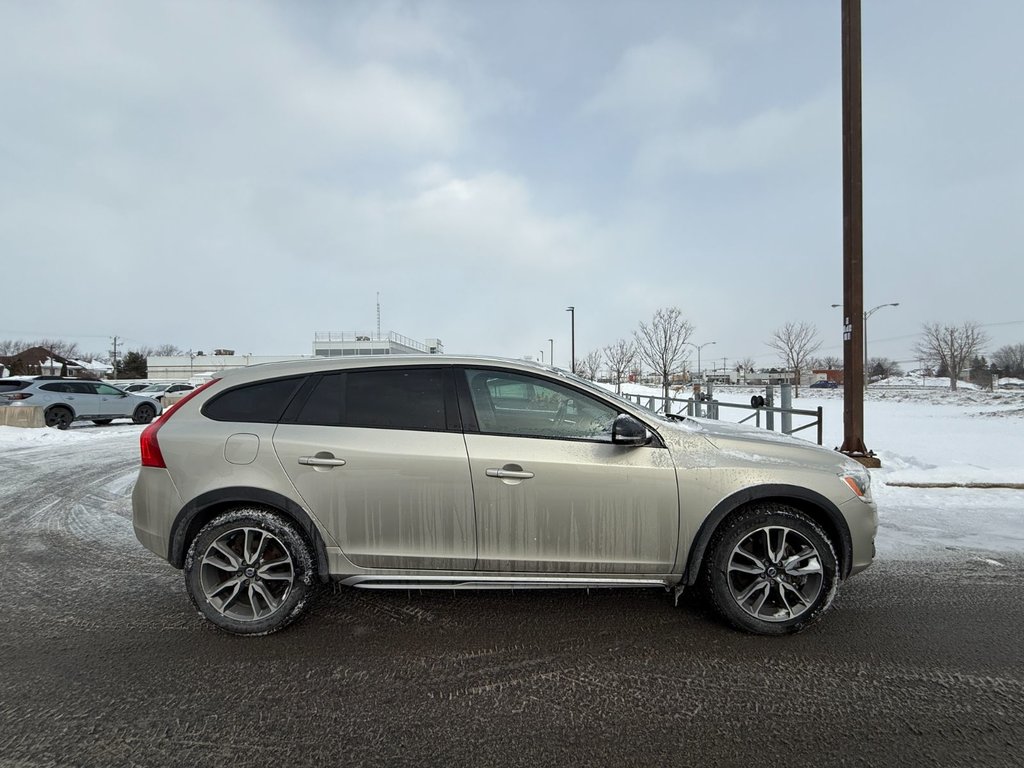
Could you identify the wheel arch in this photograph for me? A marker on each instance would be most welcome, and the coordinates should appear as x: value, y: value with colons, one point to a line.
x: 202, y: 509
x: 813, y: 504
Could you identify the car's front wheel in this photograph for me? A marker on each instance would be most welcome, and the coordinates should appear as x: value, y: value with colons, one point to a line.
x: 144, y: 414
x: 771, y: 570
x: 249, y: 572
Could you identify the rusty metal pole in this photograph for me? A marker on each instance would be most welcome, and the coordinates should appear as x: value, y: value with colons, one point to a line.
x: 853, y: 241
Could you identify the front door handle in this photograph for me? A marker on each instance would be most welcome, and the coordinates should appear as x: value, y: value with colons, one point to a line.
x: 510, y: 472
x: 322, y: 459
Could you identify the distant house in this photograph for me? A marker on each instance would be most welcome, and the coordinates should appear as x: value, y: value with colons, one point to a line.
x: 39, y: 361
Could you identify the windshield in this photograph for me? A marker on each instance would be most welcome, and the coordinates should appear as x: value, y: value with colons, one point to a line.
x: 154, y: 388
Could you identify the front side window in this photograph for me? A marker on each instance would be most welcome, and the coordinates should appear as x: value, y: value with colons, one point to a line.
x: 509, y: 403
x: 386, y: 398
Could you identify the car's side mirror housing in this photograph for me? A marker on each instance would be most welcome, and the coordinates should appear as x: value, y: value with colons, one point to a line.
x: 627, y: 430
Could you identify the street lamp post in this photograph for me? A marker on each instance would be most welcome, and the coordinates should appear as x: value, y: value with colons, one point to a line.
x: 699, y: 347
x: 864, y: 333
x: 551, y: 357
x: 572, y: 317
x: 542, y: 357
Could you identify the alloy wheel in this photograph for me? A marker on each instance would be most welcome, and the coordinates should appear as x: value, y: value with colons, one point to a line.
x: 246, y: 574
x: 775, y: 574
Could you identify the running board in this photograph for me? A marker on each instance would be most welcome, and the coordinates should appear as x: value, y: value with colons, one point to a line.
x: 496, y: 582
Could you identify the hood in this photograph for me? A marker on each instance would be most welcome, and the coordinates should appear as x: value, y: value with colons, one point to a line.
x: 740, y: 444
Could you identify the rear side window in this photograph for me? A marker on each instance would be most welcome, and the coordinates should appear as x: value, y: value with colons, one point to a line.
x: 262, y: 402
x: 12, y: 386
x: 386, y: 398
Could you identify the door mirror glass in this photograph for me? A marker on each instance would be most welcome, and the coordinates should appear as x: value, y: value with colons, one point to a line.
x: 628, y: 431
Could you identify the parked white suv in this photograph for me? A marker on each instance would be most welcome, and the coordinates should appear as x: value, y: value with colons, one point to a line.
x: 431, y: 472
x: 69, y: 400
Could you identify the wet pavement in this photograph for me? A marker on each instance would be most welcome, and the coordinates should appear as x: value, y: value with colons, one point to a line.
x: 105, y: 663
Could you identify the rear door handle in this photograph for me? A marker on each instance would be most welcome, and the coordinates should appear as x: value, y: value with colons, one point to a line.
x: 322, y: 459
x: 507, y: 472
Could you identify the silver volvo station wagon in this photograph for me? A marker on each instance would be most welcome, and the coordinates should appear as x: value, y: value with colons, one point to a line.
x: 428, y: 472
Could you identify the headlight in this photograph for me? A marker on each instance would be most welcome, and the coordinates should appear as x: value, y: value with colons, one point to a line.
x: 859, y: 482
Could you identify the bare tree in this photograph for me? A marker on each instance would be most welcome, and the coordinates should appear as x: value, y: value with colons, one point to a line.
x: 1009, y: 360
x: 11, y: 347
x: 795, y: 343
x: 951, y: 347
x: 828, y: 363
x: 620, y: 356
x: 58, y: 347
x: 165, y: 350
x: 589, y: 366
x: 745, y: 367
x: 661, y: 344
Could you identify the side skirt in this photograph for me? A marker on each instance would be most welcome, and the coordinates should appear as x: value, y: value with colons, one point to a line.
x: 497, y: 582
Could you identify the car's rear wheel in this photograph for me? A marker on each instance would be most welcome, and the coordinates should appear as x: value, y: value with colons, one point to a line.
x: 144, y: 414
x: 249, y: 572
x: 771, y: 570
x: 58, y: 417
x: 101, y: 422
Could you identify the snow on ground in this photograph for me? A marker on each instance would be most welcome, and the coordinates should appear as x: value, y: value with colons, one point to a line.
x: 924, y: 435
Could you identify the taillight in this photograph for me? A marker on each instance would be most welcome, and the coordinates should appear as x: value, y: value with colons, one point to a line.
x: 151, y: 455
x: 19, y: 396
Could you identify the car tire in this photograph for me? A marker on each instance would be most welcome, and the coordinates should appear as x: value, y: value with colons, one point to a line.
x: 770, y: 570
x: 59, y: 417
x: 101, y: 422
x: 144, y: 414
x: 249, y: 572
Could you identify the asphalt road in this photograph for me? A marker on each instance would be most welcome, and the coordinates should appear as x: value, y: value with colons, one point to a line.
x: 104, y: 662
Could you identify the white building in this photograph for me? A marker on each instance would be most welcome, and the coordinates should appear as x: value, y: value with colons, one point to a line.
x: 198, y: 368
x: 349, y: 343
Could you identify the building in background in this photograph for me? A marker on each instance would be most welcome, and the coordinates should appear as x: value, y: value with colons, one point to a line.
x: 350, y: 343
x: 199, y: 367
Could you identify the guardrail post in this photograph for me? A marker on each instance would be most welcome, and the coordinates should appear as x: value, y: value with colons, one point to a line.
x: 821, y: 421
x: 769, y: 400
x: 787, y: 403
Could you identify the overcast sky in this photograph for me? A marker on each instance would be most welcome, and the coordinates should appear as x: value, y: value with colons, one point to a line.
x: 245, y: 174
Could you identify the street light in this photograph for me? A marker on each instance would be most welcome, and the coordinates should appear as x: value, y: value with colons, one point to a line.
x: 864, y: 332
x: 542, y: 357
x: 572, y: 316
x: 551, y: 357
x: 699, y: 347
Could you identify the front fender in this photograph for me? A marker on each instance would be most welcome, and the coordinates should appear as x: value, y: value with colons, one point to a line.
x: 813, y: 504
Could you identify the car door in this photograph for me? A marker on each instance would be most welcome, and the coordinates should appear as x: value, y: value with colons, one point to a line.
x: 112, y: 402
x: 87, y: 402
x: 379, y: 457
x: 552, y: 492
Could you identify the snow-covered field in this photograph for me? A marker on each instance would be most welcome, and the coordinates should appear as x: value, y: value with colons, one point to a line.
x: 922, y: 436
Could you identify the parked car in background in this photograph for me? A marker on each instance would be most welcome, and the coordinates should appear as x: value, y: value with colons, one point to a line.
x: 69, y: 400
x: 824, y: 384
x: 132, y: 387
x: 420, y: 472
x: 159, y: 391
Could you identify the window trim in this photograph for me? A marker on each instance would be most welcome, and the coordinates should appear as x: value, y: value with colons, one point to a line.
x: 452, y: 412
x: 472, y: 426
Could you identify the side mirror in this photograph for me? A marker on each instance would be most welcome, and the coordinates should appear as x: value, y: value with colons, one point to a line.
x: 628, y: 431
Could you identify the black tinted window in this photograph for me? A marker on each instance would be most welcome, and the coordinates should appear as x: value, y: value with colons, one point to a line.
x: 387, y: 398
x: 12, y: 386
x: 263, y: 402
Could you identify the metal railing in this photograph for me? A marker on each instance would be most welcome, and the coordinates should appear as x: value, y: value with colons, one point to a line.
x: 710, y: 409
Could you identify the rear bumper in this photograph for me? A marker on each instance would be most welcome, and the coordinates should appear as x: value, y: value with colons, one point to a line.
x: 155, y: 502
